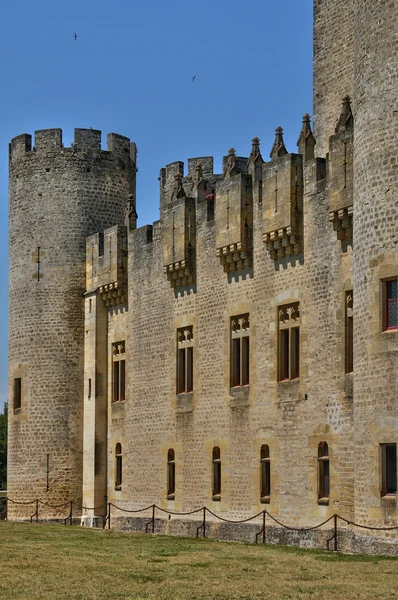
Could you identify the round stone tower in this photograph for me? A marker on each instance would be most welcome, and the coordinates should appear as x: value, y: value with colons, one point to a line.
x: 58, y: 196
x: 375, y: 247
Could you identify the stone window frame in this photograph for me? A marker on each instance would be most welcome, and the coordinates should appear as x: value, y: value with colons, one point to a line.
x: 349, y: 332
x: 118, y: 466
x: 17, y: 394
x: 385, y: 303
x: 118, y: 372
x: 171, y: 474
x: 323, y: 473
x: 289, y: 341
x: 240, y: 351
x: 388, y: 470
x: 265, y: 474
x: 216, y: 472
x: 184, y: 360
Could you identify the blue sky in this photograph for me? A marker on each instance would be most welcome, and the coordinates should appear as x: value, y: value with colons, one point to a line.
x: 130, y: 71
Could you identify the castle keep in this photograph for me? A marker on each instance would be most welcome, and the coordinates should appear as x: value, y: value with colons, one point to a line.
x: 240, y: 352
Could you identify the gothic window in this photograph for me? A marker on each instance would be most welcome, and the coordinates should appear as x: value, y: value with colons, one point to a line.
x: 323, y: 473
x: 390, y: 316
x: 388, y: 469
x: 265, y: 474
x: 240, y: 336
x: 349, y: 332
x: 184, y: 360
x: 171, y: 475
x: 118, y: 372
x: 216, y: 473
x: 118, y: 467
x: 17, y: 393
x: 289, y: 341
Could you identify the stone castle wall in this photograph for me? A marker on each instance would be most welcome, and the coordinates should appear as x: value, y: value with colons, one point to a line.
x: 292, y: 417
x: 375, y: 249
x: 305, y: 227
x: 57, y: 197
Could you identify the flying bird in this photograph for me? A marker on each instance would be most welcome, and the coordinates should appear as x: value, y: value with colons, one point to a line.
x: 193, y: 78
x: 75, y: 36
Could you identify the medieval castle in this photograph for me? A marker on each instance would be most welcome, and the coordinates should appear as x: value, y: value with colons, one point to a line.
x: 241, y: 351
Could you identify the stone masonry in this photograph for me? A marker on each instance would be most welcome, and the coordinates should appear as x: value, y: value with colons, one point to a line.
x: 294, y: 239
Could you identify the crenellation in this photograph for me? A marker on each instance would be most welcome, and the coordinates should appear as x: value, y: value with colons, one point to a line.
x: 86, y: 140
x: 47, y: 140
x: 283, y: 202
x: 19, y: 146
x: 207, y: 164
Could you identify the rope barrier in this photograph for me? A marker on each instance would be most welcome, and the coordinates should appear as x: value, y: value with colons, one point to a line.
x: 300, y: 528
x: 154, y: 507
x: 370, y: 527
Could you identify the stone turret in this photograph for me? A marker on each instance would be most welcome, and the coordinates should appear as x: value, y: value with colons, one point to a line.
x: 58, y: 196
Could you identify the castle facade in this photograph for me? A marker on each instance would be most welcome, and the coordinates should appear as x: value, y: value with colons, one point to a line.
x: 242, y: 351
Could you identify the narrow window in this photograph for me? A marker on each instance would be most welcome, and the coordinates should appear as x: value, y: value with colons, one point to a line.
x: 390, y: 316
x: 289, y: 342
x: 349, y: 333
x: 89, y: 388
x: 118, y: 372
x: 216, y: 473
x: 240, y: 350
x: 323, y: 473
x: 388, y: 469
x: 118, y: 467
x: 17, y: 399
x: 171, y: 475
x: 265, y: 474
x: 184, y: 360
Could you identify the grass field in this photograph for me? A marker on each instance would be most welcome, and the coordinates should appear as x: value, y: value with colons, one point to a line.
x: 43, y: 562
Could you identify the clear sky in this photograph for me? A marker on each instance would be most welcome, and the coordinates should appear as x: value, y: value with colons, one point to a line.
x: 130, y: 71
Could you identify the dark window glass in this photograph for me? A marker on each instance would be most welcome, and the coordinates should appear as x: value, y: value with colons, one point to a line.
x: 17, y: 400
x: 216, y: 473
x: 392, y: 304
x: 119, y: 472
x: 170, y: 475
x: 389, y: 469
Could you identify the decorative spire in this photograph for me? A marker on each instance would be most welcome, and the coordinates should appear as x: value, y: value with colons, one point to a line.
x: 178, y: 187
x: 231, y: 162
x: 279, y: 148
x: 306, y: 141
x: 255, y: 153
x: 198, y: 173
x: 346, y: 119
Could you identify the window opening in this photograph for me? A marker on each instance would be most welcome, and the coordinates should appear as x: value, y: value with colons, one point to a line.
x: 388, y: 469
x: 323, y: 473
x: 265, y: 474
x: 171, y: 471
x: 17, y: 399
x: 216, y: 473
x: 119, y: 467
x: 289, y: 341
x: 118, y: 372
x: 185, y: 360
x: 240, y: 350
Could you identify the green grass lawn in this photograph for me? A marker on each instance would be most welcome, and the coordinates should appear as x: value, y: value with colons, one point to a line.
x: 43, y: 562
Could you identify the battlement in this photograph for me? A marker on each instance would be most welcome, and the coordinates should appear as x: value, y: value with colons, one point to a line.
x: 106, y: 264
x: 86, y: 141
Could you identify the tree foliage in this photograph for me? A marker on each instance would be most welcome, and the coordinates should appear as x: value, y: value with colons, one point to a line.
x: 3, y: 447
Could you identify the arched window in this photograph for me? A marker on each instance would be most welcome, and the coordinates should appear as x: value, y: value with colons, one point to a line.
x: 118, y: 467
x: 216, y: 473
x: 171, y: 475
x: 265, y: 474
x: 323, y: 473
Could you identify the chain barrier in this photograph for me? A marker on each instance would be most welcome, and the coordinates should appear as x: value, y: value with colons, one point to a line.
x: 150, y: 525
